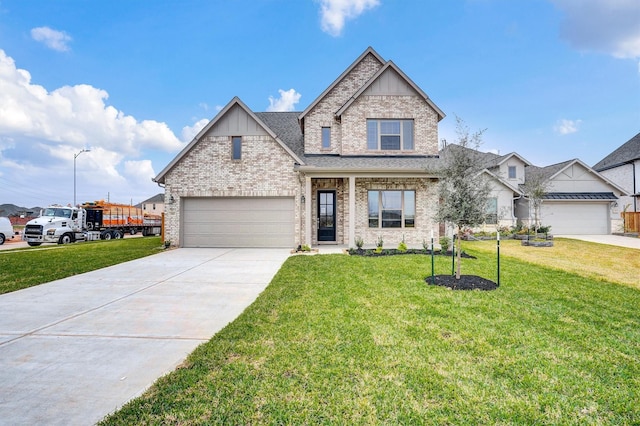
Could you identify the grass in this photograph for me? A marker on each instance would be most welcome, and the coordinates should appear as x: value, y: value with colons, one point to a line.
x: 24, y: 268
x: 351, y: 340
x: 598, y: 261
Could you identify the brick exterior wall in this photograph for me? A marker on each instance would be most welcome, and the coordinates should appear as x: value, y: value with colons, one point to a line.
x: 266, y: 170
x: 354, y: 123
x: 322, y: 114
x: 426, y: 208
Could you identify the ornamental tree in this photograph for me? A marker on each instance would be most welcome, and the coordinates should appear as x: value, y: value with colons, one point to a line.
x: 463, y: 191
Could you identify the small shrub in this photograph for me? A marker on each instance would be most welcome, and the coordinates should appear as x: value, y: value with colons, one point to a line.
x: 359, y: 243
x: 306, y: 247
x: 380, y: 242
x: 402, y: 246
x: 544, y: 229
x: 426, y: 245
x: 378, y: 250
x: 445, y: 242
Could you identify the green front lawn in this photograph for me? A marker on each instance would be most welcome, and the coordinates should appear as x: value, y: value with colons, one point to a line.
x: 24, y: 268
x: 350, y: 340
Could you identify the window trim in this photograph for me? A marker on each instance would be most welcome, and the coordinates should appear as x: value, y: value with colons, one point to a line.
x: 233, y: 148
x: 379, y: 205
x: 404, y: 141
x: 491, y: 215
x: 325, y: 131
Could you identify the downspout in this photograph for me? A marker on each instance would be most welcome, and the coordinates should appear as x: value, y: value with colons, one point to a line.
x: 635, y: 189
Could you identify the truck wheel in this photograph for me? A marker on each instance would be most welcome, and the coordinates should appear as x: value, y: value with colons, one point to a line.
x: 106, y: 235
x: 34, y: 244
x: 65, y: 239
x: 117, y: 235
x: 133, y: 231
x: 1, y: 239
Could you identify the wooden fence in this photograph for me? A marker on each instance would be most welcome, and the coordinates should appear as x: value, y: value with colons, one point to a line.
x: 631, y: 221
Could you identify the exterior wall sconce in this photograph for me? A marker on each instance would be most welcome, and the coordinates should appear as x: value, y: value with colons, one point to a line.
x: 302, y: 199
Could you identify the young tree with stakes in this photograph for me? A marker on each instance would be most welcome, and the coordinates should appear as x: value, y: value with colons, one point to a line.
x: 463, y: 192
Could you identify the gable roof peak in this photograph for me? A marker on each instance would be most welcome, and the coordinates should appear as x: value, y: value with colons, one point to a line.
x: 391, y: 65
x: 368, y: 51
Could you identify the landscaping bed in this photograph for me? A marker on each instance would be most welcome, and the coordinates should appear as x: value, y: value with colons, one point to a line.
x: 396, y: 252
x: 466, y: 282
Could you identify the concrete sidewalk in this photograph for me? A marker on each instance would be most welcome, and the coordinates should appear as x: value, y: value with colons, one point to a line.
x: 75, y: 350
x: 612, y: 240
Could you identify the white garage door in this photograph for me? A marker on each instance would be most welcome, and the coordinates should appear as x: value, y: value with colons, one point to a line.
x: 576, y: 218
x: 238, y: 222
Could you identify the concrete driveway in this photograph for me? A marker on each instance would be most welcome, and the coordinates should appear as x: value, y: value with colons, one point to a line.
x: 75, y: 350
x: 612, y: 240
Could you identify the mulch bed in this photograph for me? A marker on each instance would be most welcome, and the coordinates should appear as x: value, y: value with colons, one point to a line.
x: 466, y: 282
x: 396, y: 252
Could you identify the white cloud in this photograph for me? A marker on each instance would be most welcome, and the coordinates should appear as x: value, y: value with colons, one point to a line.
x: 53, y: 39
x: 607, y: 26
x: 334, y: 13
x: 75, y: 115
x: 566, y: 127
x: 287, y: 101
x: 190, y: 132
x: 41, y: 131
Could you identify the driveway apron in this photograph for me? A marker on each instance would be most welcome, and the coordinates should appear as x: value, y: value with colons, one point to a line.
x: 77, y: 349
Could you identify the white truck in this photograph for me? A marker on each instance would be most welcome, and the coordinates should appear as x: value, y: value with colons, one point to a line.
x: 57, y: 224
x: 93, y: 221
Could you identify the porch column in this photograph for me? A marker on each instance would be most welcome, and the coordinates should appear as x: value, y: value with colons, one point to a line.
x: 307, y: 210
x: 352, y: 211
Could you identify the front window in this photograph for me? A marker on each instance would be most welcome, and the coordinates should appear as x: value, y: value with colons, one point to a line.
x: 390, y: 135
x: 392, y: 209
x: 236, y: 147
x: 512, y: 172
x: 492, y: 211
x: 326, y: 137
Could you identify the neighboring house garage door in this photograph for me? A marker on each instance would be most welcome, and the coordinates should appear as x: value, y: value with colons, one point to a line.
x: 576, y: 218
x: 238, y: 222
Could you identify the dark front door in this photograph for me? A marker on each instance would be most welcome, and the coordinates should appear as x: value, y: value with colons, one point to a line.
x: 326, y: 215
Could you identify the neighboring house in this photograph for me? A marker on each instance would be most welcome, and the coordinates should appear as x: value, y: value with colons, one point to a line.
x: 360, y: 161
x: 577, y: 199
x: 622, y: 167
x: 153, y: 205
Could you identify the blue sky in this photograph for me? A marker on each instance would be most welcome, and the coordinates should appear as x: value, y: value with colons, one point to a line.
x: 133, y: 81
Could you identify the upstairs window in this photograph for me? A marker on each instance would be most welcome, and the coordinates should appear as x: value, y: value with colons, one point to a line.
x: 236, y: 147
x: 390, y: 135
x: 512, y: 172
x: 326, y: 137
x: 392, y: 209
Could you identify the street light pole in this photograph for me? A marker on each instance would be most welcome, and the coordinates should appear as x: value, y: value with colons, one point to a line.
x: 74, y: 173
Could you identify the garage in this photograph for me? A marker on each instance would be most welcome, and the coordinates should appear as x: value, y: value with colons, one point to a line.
x: 238, y: 222
x: 575, y: 218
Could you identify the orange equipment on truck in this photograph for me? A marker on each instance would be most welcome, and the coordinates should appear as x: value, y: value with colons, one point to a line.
x: 113, y: 219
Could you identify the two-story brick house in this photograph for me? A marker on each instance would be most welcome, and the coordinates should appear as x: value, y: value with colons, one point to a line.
x: 359, y: 161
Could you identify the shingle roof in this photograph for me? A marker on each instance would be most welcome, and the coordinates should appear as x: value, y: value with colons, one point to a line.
x: 158, y: 198
x: 628, y: 152
x: 601, y: 196
x: 286, y: 126
x: 545, y: 172
x: 363, y: 162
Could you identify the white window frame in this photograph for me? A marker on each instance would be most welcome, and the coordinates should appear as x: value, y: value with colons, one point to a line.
x: 407, y: 140
x: 515, y: 172
x: 406, y: 221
